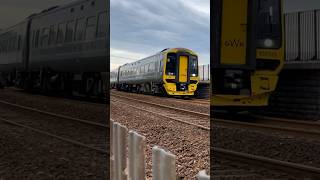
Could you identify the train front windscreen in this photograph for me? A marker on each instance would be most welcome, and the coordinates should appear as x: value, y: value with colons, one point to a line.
x: 269, y: 24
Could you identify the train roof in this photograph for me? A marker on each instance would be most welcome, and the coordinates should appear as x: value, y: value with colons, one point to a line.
x: 61, y: 7
x: 164, y: 50
x: 47, y: 11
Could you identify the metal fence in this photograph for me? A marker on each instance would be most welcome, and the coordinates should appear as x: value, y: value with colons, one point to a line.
x: 302, y: 30
x: 204, y: 73
x: 131, y: 165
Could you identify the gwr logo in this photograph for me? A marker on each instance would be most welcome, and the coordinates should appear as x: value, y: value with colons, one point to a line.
x: 234, y: 43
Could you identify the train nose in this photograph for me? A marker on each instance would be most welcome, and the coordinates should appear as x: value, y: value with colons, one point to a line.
x: 183, y: 87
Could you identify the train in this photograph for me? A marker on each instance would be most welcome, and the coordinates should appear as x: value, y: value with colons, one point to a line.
x: 172, y: 72
x: 62, y: 49
x: 247, y: 52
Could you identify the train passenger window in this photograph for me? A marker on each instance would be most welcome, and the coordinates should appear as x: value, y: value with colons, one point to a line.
x: 36, y: 39
x: 90, y: 28
x: 61, y: 32
x: 44, y: 37
x: 171, y: 65
x: 33, y: 38
x: 102, y: 25
x: 70, y: 30
x: 52, y: 34
x: 80, y: 26
x: 19, y: 43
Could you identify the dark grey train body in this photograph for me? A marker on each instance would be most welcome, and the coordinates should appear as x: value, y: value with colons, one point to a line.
x: 149, y: 69
x: 59, y: 45
x: 82, y: 47
x: 173, y: 71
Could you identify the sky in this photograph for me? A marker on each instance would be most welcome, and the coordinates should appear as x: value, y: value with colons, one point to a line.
x: 140, y: 28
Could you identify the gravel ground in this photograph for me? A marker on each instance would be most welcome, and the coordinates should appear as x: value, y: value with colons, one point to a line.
x: 174, y: 102
x: 84, y: 133
x: 28, y: 155
x: 191, y: 118
x: 188, y: 143
x: 277, y: 146
x: 78, y: 109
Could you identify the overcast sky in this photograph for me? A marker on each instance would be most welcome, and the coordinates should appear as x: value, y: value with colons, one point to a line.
x: 143, y: 27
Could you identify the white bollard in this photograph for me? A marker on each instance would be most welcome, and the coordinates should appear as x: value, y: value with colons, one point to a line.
x: 111, y: 150
x: 119, y: 150
x: 163, y: 165
x: 136, y: 156
x: 202, y: 175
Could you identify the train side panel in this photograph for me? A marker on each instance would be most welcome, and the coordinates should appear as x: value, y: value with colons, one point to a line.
x: 12, y: 47
x: 144, y: 71
x: 72, y: 38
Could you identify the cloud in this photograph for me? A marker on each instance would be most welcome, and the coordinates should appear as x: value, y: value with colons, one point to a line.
x: 145, y: 26
x: 119, y: 57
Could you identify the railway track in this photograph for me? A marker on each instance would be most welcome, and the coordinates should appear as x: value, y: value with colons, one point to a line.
x: 298, y: 170
x: 192, y: 101
x: 298, y: 128
x: 197, y: 119
x: 63, y: 136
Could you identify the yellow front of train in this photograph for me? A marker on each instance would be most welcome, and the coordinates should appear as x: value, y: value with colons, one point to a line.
x: 249, y: 52
x: 180, y: 72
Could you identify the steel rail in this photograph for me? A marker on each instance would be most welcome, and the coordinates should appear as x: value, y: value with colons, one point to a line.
x: 307, y: 133
x: 168, y: 117
x: 55, y: 115
x: 299, y: 169
x: 165, y: 106
x: 70, y: 141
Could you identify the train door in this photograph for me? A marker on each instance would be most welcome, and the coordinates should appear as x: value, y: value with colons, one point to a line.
x: 183, y: 69
x: 234, y: 48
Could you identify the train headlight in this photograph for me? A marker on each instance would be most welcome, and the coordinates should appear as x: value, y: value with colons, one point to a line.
x: 268, y: 43
x: 193, y: 75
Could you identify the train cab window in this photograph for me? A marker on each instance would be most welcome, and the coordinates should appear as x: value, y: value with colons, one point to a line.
x: 102, y: 25
x: 269, y: 24
x: 193, y: 66
x: 52, y: 34
x: 61, y: 33
x: 80, y: 27
x: 90, y: 28
x: 171, y: 65
x: 70, y: 31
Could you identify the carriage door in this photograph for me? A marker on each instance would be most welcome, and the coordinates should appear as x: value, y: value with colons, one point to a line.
x: 183, y: 68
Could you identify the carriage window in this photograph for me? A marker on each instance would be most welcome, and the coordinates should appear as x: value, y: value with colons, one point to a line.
x: 80, y: 26
x: 19, y: 43
x: 102, y: 25
x: 44, y: 37
x: 36, y: 39
x: 52, y: 34
x: 90, y: 28
x: 61, y: 32
x: 70, y: 30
